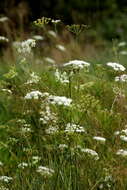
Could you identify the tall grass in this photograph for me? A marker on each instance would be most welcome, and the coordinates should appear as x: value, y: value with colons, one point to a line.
x: 62, y: 126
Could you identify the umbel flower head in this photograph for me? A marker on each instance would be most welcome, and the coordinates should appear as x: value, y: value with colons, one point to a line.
x: 116, y: 66
x: 77, y: 64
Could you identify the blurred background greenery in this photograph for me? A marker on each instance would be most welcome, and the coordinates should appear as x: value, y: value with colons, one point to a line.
x: 107, y: 18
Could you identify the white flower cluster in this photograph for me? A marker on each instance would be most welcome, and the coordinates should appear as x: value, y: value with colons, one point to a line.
x: 5, y: 179
x: 25, y: 47
x: 4, y: 19
x: 71, y: 127
x: 35, y: 159
x: 89, y: 151
x: 34, y: 79
x: 51, y: 130
x: 3, y: 188
x: 33, y: 95
x: 123, y: 52
x: 49, y: 60
x: 116, y: 66
x: 62, y: 77
x: 122, y: 152
x: 121, y: 44
x: 60, y: 100
x: 52, y: 33
x: 55, y: 21
x: 38, y: 37
x: 1, y: 164
x: 23, y: 165
x: 101, y: 139
x: 61, y: 48
x: 47, y: 115
x: 3, y: 39
x: 45, y: 171
x: 122, y: 78
x: 77, y: 64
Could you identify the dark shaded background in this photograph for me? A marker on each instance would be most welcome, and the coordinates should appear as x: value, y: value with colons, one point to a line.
x: 109, y: 17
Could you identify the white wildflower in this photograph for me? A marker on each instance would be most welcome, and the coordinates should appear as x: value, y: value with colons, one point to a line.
x: 38, y: 37
x: 5, y: 179
x: 60, y: 100
x: 52, y: 33
x: 124, y: 131
x: 3, y: 39
x: 71, y: 127
x: 34, y: 79
x: 33, y: 95
x: 7, y: 90
x: 121, y: 44
x: 116, y: 133
x: 49, y: 60
x: 122, y: 78
x: 1, y: 164
x: 35, y: 159
x: 51, y: 130
x: 61, y: 48
x: 25, y: 47
x: 77, y: 64
x: 26, y: 129
x: 45, y: 171
x: 62, y: 77
x: 123, y: 138
x: 101, y: 139
x: 4, y: 19
x: 47, y: 116
x: 55, y: 21
x: 23, y: 165
x: 116, y: 66
x: 122, y: 152
x: 62, y: 146
x: 91, y: 152
x: 123, y: 52
x: 3, y: 188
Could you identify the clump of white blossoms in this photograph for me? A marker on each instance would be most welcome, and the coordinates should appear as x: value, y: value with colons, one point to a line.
x: 60, y: 100
x: 1, y: 164
x: 38, y: 37
x: 116, y: 66
x: 23, y: 165
x: 101, y: 139
x: 123, y: 138
x: 49, y: 60
x: 62, y: 77
x: 71, y: 127
x: 122, y: 78
x: 4, y: 19
x: 55, y: 21
x: 33, y: 95
x: 6, y: 179
x: 47, y: 116
x: 3, y: 188
x: 123, y: 52
x: 122, y: 152
x: 121, y: 44
x: 61, y: 48
x: 52, y: 33
x: 34, y: 79
x: 25, y: 47
x: 3, y: 39
x: 89, y: 151
x: 51, y: 130
x: 35, y: 159
x: 77, y: 64
x: 44, y: 171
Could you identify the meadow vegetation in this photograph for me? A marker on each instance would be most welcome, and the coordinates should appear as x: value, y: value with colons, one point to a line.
x: 63, y: 108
